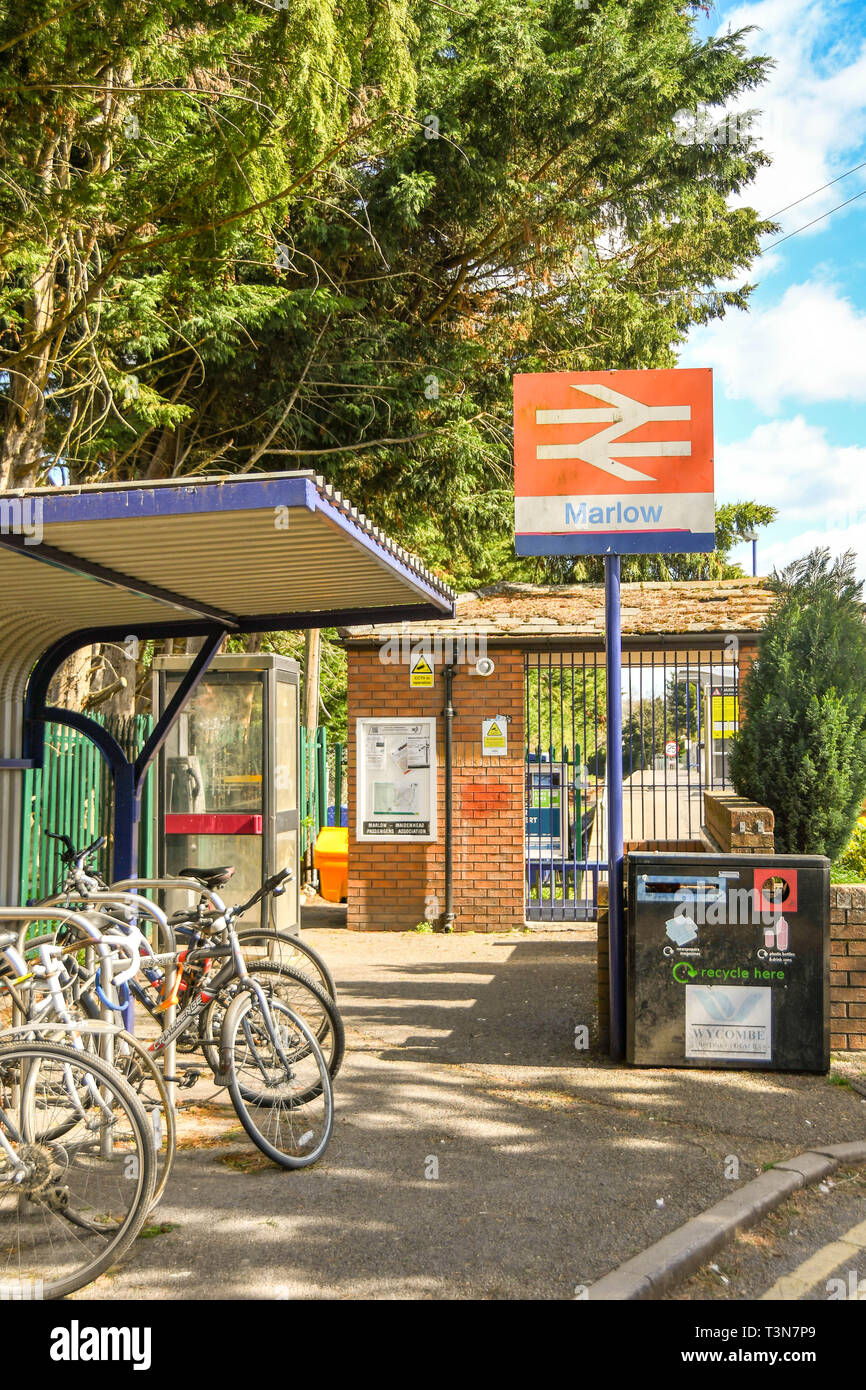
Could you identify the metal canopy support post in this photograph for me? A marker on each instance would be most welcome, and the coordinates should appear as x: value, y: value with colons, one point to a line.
x: 161, y: 730
x: 127, y: 776
x: 616, y: 937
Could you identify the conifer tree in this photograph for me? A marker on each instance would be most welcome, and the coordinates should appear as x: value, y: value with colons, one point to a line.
x: 802, y: 747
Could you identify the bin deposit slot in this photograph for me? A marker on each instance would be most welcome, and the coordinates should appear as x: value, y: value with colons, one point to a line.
x: 664, y: 888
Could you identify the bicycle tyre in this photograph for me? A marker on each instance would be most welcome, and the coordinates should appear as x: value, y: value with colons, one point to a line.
x: 150, y: 1075
x: 287, y: 944
x: 299, y: 1148
x: 324, y: 1017
x: 143, y: 1173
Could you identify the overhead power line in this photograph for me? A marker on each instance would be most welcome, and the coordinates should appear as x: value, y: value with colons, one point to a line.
x: 807, y: 196
x: 778, y: 241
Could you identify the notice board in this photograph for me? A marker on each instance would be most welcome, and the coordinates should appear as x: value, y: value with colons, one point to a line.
x: 396, y: 779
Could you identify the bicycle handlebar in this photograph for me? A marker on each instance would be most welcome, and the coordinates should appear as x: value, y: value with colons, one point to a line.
x: 270, y: 885
x: 72, y: 855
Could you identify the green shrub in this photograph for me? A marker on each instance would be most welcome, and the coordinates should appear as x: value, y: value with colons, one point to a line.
x: 802, y: 748
x: 852, y: 860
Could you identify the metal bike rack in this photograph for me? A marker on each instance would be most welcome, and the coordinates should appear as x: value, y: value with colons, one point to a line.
x: 129, y: 885
x: 124, y: 898
x: 52, y: 914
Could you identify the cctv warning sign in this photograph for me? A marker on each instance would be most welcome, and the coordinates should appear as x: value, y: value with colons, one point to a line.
x: 494, y: 737
x: 421, y: 672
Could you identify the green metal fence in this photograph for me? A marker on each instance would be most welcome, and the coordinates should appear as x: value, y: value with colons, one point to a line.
x: 323, y: 780
x: 71, y: 795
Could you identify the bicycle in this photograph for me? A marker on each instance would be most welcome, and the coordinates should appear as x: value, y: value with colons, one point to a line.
x: 297, y: 989
x: 282, y: 947
x: 268, y: 1056
x: 284, y: 967
x: 77, y: 1168
x: 47, y: 1010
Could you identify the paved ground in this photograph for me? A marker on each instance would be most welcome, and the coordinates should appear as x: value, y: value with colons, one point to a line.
x: 553, y: 1166
x: 663, y: 804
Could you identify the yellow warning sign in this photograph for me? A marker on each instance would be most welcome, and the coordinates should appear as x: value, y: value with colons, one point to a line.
x: 421, y: 672
x: 494, y: 737
x: 725, y: 714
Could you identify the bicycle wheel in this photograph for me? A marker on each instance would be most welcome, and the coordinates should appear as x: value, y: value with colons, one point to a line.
x: 292, y: 951
x: 137, y: 1067
x: 69, y: 1207
x: 288, y: 1111
x: 299, y: 992
x: 139, y: 1070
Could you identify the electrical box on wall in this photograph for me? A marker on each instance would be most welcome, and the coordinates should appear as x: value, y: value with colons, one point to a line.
x: 227, y: 778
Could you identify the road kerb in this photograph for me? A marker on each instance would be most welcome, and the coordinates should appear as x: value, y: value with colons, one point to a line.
x: 654, y: 1271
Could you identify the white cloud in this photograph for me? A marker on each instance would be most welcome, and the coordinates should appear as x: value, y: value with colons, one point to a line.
x: 791, y: 465
x: 811, y: 346
x: 776, y: 553
x: 813, y: 105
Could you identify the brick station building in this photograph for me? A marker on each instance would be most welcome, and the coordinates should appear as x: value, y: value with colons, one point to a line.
x: 395, y: 886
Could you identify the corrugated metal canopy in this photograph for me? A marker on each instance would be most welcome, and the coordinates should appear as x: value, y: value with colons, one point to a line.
x: 255, y: 553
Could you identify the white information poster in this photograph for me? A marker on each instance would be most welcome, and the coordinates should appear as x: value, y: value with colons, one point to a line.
x: 396, y: 780
x: 729, y: 1023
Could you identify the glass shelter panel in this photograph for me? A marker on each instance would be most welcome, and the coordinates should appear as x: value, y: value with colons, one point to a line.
x: 228, y: 778
x: 213, y: 780
x: 213, y: 758
x: 286, y: 770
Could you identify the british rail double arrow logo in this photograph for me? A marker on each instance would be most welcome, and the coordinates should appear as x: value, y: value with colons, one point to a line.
x: 610, y: 462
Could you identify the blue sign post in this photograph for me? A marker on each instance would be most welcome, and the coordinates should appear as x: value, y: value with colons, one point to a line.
x: 615, y: 845
x: 614, y: 463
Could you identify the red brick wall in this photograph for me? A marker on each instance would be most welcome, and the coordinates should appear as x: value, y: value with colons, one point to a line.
x: 390, y: 885
x: 847, y: 968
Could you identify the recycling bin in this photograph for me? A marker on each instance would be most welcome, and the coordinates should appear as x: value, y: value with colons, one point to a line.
x: 227, y: 778
x: 728, y: 961
x: 331, y: 859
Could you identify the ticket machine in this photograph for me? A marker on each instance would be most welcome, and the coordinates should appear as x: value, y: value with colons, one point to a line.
x: 227, y: 778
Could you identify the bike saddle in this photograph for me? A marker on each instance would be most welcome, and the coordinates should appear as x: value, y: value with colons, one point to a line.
x: 210, y: 878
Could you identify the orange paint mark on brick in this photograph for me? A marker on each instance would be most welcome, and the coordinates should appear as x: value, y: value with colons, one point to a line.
x: 480, y: 798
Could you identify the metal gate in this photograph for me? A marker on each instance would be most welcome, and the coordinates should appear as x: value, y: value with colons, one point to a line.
x: 680, y: 710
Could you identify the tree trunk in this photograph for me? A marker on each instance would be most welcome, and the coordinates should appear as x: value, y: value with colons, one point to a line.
x: 71, y: 686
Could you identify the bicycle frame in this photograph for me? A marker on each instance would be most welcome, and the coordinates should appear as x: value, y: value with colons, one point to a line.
x: 226, y: 916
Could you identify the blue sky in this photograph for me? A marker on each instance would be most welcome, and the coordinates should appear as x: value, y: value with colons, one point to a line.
x: 790, y: 375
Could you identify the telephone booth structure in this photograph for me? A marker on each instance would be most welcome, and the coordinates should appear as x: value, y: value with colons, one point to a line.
x: 227, y: 780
